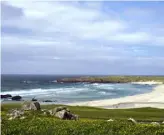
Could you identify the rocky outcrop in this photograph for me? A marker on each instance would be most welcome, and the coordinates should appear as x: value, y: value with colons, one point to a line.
x: 34, y: 99
x: 49, y: 101
x: 31, y: 106
x: 6, y: 96
x: 63, y: 113
x: 15, y: 113
x: 16, y: 98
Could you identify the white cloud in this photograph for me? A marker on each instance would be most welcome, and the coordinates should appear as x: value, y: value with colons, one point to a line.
x: 72, y: 31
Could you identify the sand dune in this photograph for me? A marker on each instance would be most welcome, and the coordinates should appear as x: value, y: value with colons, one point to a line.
x: 152, y: 99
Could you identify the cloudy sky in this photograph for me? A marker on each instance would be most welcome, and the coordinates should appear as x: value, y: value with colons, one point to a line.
x: 82, y: 37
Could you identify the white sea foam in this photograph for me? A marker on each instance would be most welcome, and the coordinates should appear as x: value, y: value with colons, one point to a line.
x: 104, y: 86
x: 152, y: 99
x: 45, y: 91
x: 78, y: 91
x: 105, y: 93
x: 148, y: 82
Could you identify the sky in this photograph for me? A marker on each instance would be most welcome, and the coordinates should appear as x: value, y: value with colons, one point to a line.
x: 82, y: 37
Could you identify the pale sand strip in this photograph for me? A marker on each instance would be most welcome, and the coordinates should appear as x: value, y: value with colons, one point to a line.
x: 152, y: 99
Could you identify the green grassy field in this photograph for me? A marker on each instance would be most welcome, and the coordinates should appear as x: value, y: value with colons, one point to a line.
x: 93, y: 121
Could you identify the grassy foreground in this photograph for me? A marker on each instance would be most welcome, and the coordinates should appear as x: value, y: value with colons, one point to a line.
x: 92, y: 122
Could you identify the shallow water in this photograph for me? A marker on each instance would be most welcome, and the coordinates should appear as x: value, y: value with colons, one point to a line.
x: 46, y: 88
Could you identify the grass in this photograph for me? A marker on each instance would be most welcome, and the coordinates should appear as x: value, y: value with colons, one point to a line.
x: 92, y: 122
x: 115, y: 79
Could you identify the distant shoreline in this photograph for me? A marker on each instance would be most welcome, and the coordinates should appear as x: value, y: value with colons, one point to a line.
x: 113, y: 79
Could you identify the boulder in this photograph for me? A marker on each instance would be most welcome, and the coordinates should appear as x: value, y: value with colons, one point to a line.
x: 31, y: 106
x: 16, y: 98
x: 61, y: 114
x: 65, y: 115
x: 15, y: 113
x: 57, y: 109
x: 47, y: 101
x: 33, y: 99
x: 74, y: 117
x: 6, y: 96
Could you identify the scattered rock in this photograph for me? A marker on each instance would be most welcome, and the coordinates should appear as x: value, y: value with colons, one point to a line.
x: 6, y: 96
x: 61, y: 114
x: 31, y: 106
x: 132, y: 120
x: 16, y: 98
x: 49, y: 101
x: 74, y: 117
x: 15, y: 113
x: 155, y: 123
x: 110, y: 120
x: 34, y: 99
x: 51, y: 112
x: 64, y: 113
x: 61, y: 108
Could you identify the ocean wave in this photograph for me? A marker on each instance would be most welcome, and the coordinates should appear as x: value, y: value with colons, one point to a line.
x: 41, y: 91
x: 104, y: 86
x: 105, y: 93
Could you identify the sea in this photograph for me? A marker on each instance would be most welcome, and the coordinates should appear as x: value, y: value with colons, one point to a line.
x: 45, y: 87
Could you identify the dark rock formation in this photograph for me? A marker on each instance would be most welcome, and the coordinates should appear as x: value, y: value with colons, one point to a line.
x: 34, y: 99
x: 47, y: 101
x: 16, y: 98
x: 6, y: 96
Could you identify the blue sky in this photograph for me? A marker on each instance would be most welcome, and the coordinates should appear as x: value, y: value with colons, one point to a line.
x: 82, y: 37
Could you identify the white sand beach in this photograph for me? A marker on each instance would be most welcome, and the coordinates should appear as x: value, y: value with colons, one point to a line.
x: 153, y: 99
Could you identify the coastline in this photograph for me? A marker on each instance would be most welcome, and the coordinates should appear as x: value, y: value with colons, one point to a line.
x: 153, y: 99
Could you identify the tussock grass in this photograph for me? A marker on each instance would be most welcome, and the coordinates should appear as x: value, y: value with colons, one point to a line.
x: 92, y: 122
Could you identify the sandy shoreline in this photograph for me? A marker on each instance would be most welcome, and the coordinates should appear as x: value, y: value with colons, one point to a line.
x: 153, y: 99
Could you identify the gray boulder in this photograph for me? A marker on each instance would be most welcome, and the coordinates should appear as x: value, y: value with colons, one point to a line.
x: 65, y: 115
x: 15, y: 113
x: 57, y: 109
x: 31, y: 106
x: 61, y: 114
